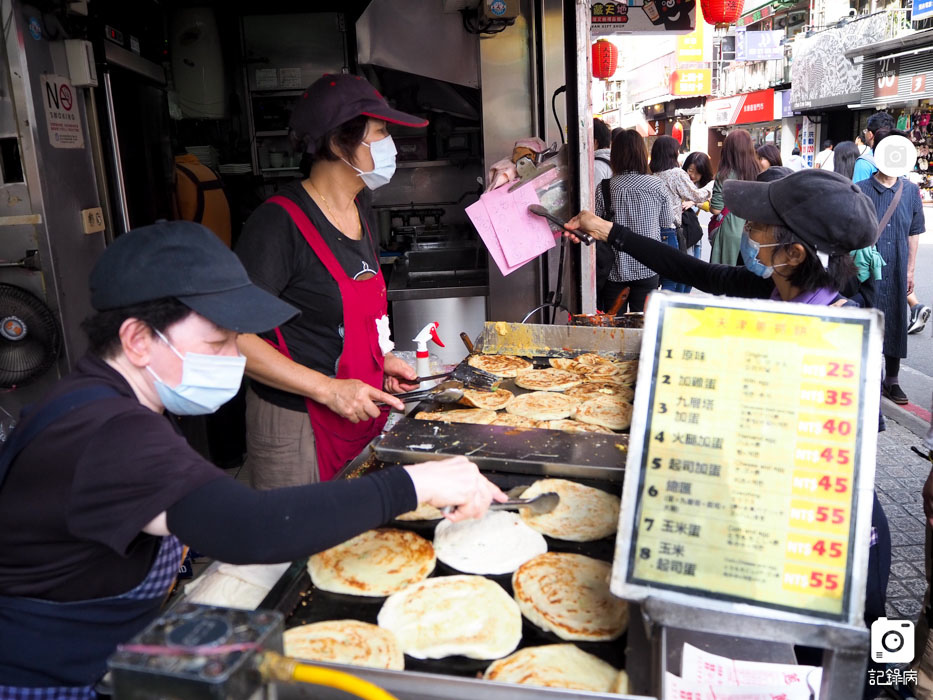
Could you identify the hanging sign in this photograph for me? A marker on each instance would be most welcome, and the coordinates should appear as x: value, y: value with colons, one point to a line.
x: 747, y: 108
x: 886, y: 74
x: 751, y: 461
x: 62, y: 114
x: 642, y: 17
x: 691, y: 82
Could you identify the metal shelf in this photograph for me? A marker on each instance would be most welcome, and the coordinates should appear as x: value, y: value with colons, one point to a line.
x: 422, y: 163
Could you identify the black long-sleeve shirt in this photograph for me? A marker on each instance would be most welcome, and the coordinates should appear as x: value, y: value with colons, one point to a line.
x: 686, y: 269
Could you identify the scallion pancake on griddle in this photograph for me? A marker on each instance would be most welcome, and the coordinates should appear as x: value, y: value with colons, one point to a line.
x: 345, y: 642
x: 583, y: 514
x: 497, y: 543
x: 558, y: 666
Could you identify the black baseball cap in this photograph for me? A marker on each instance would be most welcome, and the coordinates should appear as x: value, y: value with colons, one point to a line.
x: 824, y: 209
x: 184, y: 260
x: 334, y: 99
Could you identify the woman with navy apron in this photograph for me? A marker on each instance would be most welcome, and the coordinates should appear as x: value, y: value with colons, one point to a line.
x: 311, y: 406
x: 98, y: 490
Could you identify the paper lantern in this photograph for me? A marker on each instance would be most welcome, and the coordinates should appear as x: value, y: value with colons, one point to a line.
x: 678, y: 132
x: 721, y: 11
x: 605, y: 59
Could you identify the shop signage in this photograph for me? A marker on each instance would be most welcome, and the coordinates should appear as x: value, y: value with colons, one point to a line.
x: 922, y: 9
x: 748, y: 108
x: 691, y: 82
x: 694, y: 47
x: 759, y: 46
x: 918, y: 84
x: 807, y: 141
x: 751, y: 461
x: 651, y: 79
x: 62, y: 113
x: 786, y: 109
x: 642, y: 17
x: 886, y: 72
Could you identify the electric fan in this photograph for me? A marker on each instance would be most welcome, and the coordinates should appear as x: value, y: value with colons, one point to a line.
x: 30, y: 339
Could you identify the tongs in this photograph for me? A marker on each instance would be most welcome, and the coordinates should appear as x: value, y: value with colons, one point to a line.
x: 468, y: 376
x: 539, y: 505
x: 446, y: 392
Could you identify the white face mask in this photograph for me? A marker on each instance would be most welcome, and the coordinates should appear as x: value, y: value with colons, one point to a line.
x: 383, y: 153
x: 207, y: 382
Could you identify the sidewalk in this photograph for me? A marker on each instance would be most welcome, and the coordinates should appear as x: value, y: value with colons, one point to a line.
x: 899, y: 478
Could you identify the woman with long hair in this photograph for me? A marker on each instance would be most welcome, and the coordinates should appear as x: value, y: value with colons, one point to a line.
x: 738, y: 162
x: 680, y: 188
x: 844, y: 156
x: 639, y: 202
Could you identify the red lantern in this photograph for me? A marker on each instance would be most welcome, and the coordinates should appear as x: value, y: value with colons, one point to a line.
x: 721, y: 11
x: 678, y: 132
x: 605, y: 59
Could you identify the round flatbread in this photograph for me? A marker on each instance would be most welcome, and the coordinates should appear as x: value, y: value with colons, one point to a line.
x: 602, y: 372
x: 607, y: 411
x: 500, y: 365
x: 497, y: 543
x: 568, y: 594
x: 478, y: 416
x: 453, y: 615
x: 490, y: 400
x: 375, y: 563
x: 542, y: 405
x: 589, y: 390
x: 548, y: 380
x: 425, y: 511
x: 558, y: 666
x: 591, y: 359
x: 628, y: 371
x: 345, y: 642
x: 565, y: 363
x: 583, y: 514
x: 573, y: 426
x: 514, y: 421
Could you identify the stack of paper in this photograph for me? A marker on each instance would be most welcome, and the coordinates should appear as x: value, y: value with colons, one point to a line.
x: 512, y: 236
x: 706, y: 676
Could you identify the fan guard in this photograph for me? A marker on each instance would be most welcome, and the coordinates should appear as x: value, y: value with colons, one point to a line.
x: 30, y: 339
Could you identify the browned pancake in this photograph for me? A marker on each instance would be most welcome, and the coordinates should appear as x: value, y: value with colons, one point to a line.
x: 550, y: 379
x: 478, y: 416
x: 602, y: 371
x: 591, y: 359
x: 490, y: 400
x: 607, y: 411
x: 542, y: 405
x: 573, y: 426
x: 565, y: 363
x: 590, y: 390
x: 500, y: 365
x: 513, y: 421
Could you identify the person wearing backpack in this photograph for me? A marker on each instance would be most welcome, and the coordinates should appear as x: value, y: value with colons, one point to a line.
x: 602, y: 171
x: 680, y: 188
x: 865, y: 164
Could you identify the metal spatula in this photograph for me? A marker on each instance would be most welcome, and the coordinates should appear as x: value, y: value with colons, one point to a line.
x: 470, y: 377
x: 539, y: 505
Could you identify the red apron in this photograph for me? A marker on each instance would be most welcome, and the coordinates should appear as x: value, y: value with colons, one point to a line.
x: 336, y: 439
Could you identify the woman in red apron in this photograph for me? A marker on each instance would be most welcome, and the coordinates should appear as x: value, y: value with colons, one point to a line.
x: 311, y: 406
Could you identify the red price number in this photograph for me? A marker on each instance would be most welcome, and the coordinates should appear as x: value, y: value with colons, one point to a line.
x: 837, y: 456
x: 838, y: 398
x: 845, y: 371
x: 837, y: 484
x: 829, y: 582
x: 842, y: 427
x: 833, y: 550
x: 834, y: 515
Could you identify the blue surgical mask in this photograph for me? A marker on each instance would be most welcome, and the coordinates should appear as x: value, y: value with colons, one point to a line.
x: 383, y: 153
x: 207, y: 382
x: 749, y: 250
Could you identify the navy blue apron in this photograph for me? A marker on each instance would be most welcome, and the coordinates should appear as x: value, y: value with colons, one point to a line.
x: 51, y: 650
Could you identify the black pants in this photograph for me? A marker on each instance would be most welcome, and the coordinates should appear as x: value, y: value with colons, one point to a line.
x: 638, y: 292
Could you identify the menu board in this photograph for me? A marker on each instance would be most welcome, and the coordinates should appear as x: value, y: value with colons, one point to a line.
x: 744, y: 477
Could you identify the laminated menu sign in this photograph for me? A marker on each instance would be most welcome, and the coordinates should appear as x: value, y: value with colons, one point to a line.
x: 753, y: 445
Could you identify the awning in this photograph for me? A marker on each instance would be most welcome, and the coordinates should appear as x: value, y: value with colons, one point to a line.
x: 637, y: 121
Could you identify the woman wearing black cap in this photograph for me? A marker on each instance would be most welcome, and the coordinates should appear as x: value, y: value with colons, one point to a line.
x: 795, y: 247
x: 98, y: 491
x: 311, y: 406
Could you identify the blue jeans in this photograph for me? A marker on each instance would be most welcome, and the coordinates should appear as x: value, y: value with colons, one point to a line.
x: 669, y: 236
x: 686, y: 288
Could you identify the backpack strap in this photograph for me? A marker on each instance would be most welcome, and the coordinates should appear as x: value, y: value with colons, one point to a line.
x: 35, y: 423
x: 610, y: 214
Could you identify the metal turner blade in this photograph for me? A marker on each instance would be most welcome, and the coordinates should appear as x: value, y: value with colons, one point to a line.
x: 539, y: 505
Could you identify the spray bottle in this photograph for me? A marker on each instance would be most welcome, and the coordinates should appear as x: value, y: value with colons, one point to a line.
x: 422, y: 358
